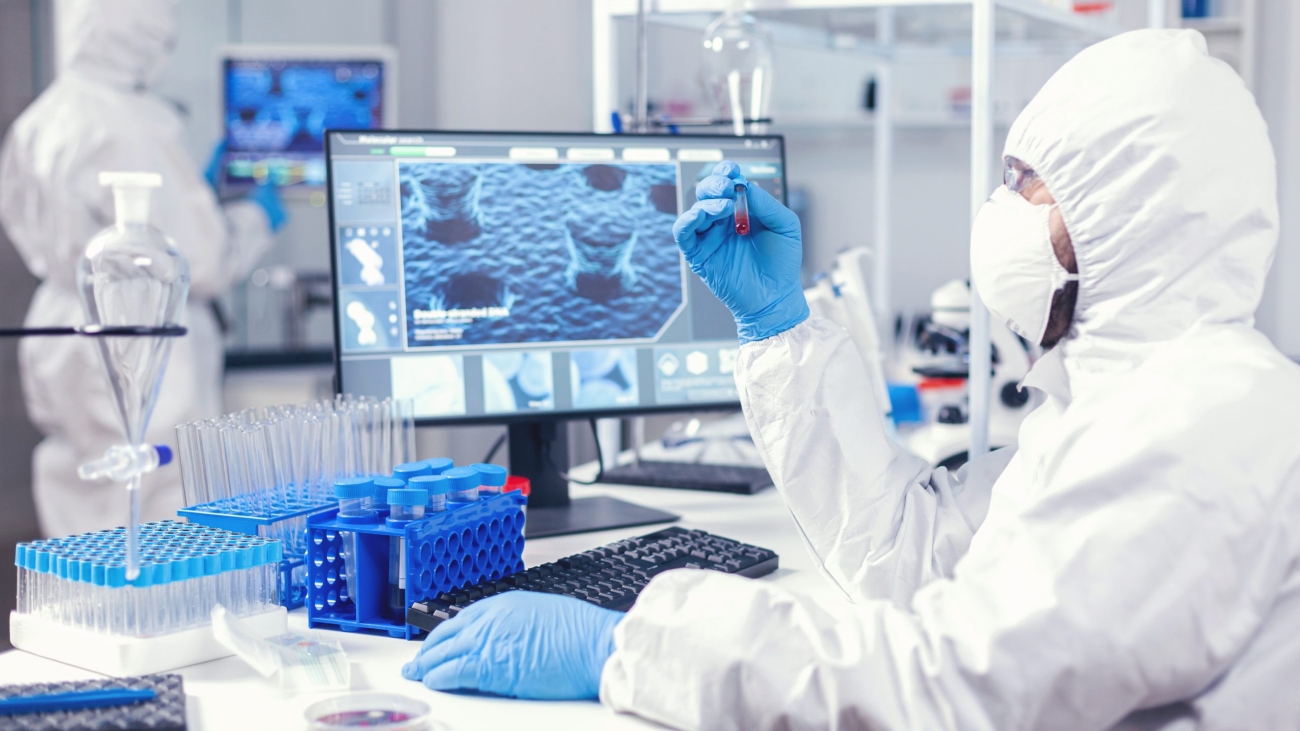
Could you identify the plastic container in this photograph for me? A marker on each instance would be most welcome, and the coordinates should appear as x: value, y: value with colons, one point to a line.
x: 521, y: 484
x: 439, y: 465
x: 464, y: 483
x: 355, y: 495
x: 437, y: 487
x: 405, y: 472
x: 491, y: 478
x: 382, y: 486
x: 405, y: 505
x: 375, y: 711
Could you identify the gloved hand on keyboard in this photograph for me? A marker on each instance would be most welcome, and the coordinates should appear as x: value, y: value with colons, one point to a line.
x: 756, y: 275
x: 522, y: 644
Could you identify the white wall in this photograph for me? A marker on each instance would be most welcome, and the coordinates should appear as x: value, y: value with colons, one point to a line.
x: 1278, y: 94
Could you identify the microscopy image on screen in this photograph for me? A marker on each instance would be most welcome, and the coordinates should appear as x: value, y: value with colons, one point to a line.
x: 369, y: 321
x: 435, y: 383
x: 601, y: 378
x: 369, y: 255
x: 276, y: 113
x: 518, y: 382
x: 499, y: 253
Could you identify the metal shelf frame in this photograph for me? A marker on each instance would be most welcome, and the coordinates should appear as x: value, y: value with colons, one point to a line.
x: 985, y: 160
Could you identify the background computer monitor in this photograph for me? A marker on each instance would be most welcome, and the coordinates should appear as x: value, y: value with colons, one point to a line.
x: 277, y: 102
x: 529, y: 278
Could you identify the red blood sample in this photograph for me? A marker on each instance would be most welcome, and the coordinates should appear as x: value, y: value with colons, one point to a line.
x: 742, y: 211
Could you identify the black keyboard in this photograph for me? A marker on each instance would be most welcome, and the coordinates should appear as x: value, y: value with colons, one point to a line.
x: 610, y: 576
x: 690, y: 476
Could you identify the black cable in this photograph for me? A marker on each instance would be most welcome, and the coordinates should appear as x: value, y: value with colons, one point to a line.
x: 600, y: 462
x: 496, y: 446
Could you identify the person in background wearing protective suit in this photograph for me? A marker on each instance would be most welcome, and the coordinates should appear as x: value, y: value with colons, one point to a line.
x: 1134, y: 563
x: 99, y: 115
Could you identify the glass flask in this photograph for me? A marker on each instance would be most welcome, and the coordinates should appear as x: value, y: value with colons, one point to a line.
x: 737, y: 69
x: 132, y: 274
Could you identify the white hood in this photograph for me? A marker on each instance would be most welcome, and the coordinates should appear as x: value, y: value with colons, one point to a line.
x: 125, y: 43
x: 1162, y: 167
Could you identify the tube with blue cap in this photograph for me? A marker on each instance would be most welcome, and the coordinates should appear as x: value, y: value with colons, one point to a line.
x: 464, y: 483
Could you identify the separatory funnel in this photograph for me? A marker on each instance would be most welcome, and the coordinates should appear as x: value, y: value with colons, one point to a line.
x: 132, y: 275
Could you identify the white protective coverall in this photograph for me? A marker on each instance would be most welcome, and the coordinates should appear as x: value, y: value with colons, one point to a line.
x: 98, y: 116
x: 1134, y: 565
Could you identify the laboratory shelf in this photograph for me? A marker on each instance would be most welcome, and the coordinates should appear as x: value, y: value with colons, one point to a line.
x: 1213, y: 25
x: 890, y: 32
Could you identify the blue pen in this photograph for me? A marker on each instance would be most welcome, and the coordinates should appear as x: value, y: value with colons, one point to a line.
x: 74, y: 700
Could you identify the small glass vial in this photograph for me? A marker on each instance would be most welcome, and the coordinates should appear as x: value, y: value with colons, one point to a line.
x: 464, y: 483
x: 491, y: 478
x: 405, y: 472
x: 437, y: 487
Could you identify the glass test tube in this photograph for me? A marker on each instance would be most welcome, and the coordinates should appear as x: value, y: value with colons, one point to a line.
x: 742, y: 210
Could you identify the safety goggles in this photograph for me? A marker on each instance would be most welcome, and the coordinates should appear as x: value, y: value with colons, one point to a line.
x: 1016, y: 175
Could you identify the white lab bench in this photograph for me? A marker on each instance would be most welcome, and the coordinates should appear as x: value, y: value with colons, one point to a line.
x: 227, y: 694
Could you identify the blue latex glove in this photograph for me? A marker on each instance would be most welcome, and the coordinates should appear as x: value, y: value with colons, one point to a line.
x: 213, y: 170
x: 522, y: 644
x: 756, y: 275
x: 268, y: 197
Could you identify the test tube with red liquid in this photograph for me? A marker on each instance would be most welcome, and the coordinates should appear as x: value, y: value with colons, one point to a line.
x: 742, y: 210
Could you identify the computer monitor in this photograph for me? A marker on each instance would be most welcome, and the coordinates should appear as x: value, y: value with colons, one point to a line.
x: 277, y: 102
x: 527, y: 279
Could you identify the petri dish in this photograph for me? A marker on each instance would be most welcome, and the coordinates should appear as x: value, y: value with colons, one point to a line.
x: 383, y: 711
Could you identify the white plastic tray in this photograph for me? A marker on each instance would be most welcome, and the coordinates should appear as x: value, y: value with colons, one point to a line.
x: 126, y: 656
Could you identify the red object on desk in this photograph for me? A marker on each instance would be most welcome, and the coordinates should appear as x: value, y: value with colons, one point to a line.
x: 522, y: 484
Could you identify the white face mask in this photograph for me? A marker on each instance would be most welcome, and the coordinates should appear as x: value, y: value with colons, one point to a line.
x: 1012, y: 263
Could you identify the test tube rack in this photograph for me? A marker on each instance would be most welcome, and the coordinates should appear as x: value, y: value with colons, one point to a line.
x: 75, y: 604
x: 447, y: 550
x: 264, y: 515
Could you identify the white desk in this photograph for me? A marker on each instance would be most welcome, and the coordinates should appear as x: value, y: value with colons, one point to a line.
x: 227, y: 694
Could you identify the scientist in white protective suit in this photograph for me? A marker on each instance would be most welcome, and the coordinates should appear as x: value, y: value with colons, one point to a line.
x: 98, y: 115
x: 1135, y: 564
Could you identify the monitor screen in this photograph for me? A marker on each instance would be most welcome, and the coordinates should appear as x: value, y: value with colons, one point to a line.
x: 500, y: 276
x: 276, y: 109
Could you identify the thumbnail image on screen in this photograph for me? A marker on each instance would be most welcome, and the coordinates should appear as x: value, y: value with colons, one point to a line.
x: 277, y: 111
x: 505, y: 252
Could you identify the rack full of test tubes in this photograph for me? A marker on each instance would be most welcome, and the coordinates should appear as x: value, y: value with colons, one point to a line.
x: 263, y: 472
x: 185, y: 570
x: 435, y: 529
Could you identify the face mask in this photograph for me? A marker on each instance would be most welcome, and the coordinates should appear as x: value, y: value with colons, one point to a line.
x: 1012, y: 263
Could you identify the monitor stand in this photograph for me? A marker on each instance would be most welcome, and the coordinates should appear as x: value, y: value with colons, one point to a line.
x: 539, y: 450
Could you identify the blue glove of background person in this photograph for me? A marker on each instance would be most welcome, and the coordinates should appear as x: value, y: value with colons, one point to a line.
x: 521, y: 644
x: 213, y: 170
x: 756, y: 275
x: 268, y: 197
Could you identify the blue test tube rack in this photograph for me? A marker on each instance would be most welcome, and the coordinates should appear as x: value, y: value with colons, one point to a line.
x: 265, y: 516
x: 466, y: 544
